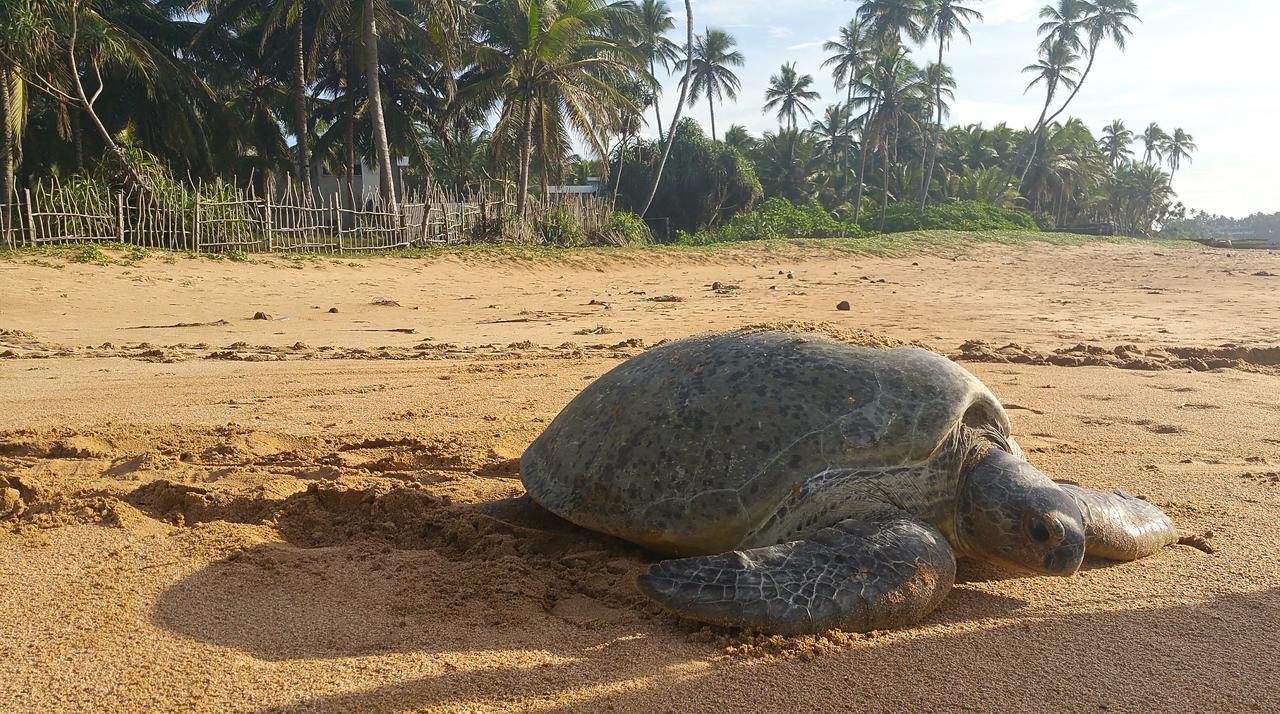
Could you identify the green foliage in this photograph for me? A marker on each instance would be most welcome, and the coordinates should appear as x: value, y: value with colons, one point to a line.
x: 705, y: 182
x: 959, y: 216
x: 560, y: 228
x: 622, y: 229
x: 774, y: 219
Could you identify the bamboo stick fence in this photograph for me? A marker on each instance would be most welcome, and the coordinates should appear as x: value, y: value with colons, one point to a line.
x: 239, y: 220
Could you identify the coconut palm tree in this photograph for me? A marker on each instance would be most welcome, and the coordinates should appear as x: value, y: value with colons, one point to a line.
x: 739, y: 138
x: 653, y: 22
x: 848, y: 57
x: 1176, y: 149
x: 789, y: 92
x: 1055, y: 68
x: 1115, y: 142
x: 944, y: 19
x: 888, y: 21
x: 303, y: 20
x: 1153, y: 141
x: 713, y: 55
x: 1100, y: 20
x: 553, y: 67
x: 890, y: 89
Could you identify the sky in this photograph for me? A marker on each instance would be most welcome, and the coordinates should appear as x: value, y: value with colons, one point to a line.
x: 1206, y: 66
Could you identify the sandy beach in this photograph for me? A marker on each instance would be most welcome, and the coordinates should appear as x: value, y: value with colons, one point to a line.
x: 203, y: 511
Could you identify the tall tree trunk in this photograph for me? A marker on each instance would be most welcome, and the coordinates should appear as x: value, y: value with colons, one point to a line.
x: 684, y: 93
x: 711, y: 103
x: 937, y: 136
x: 302, y: 159
x: 1035, y: 139
x: 657, y: 113
x: 526, y: 140
x: 1093, y: 52
x: 387, y: 184
x: 77, y: 138
x: 348, y: 188
x: 884, y: 177
x: 862, y: 162
x: 622, y: 160
x: 7, y: 187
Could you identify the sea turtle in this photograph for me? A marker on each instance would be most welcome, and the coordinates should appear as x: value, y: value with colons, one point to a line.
x: 803, y: 484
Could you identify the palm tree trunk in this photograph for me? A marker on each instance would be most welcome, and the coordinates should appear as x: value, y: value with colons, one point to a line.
x: 387, y: 184
x: 711, y: 103
x: 1035, y: 139
x: 657, y: 112
x: 302, y: 161
x: 937, y: 136
x: 6, y: 147
x: 1093, y: 52
x: 526, y: 139
x: 622, y: 160
x: 684, y: 92
x: 862, y: 163
x: 348, y: 133
x: 77, y: 139
x: 884, y: 177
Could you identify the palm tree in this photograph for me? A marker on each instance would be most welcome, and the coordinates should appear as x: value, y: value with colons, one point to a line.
x: 713, y: 55
x: 889, y: 89
x: 299, y: 18
x: 1153, y: 141
x: 654, y: 21
x: 1100, y: 20
x: 1177, y: 148
x: 1115, y: 142
x: 848, y: 57
x: 944, y: 19
x: 675, y: 121
x: 789, y: 92
x: 1055, y: 67
x: 833, y: 140
x: 887, y: 21
x: 739, y: 138
x: 552, y: 67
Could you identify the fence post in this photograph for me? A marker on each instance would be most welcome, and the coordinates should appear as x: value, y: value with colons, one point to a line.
x: 195, y: 225
x: 266, y: 219
x: 31, y: 218
x: 119, y: 217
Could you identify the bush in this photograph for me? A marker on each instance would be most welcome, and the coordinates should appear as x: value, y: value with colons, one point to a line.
x: 777, y: 218
x: 958, y: 216
x: 560, y: 228
x: 624, y: 228
x: 704, y: 183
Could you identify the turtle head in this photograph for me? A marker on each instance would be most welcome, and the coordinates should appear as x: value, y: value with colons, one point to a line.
x: 1010, y: 513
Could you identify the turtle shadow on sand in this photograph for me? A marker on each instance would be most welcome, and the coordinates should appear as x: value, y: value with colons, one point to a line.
x: 1154, y: 658
x: 343, y: 585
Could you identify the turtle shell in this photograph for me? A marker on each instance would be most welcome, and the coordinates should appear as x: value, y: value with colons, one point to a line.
x: 687, y: 447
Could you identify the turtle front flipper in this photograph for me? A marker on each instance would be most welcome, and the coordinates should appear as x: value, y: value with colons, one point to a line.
x: 1118, y: 526
x: 853, y: 576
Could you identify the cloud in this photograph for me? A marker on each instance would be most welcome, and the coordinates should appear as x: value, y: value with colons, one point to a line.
x: 779, y: 33
x: 806, y: 45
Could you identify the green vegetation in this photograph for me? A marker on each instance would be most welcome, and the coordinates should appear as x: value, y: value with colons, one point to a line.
x: 497, y: 93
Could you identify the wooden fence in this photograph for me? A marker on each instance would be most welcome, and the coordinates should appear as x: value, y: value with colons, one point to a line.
x: 242, y: 221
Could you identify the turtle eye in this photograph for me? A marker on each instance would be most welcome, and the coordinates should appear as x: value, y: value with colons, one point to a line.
x: 1038, y: 531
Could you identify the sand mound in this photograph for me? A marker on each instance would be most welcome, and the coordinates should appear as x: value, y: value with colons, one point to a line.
x: 1199, y: 359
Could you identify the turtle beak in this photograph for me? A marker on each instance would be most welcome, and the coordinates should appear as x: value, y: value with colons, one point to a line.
x: 1065, y: 559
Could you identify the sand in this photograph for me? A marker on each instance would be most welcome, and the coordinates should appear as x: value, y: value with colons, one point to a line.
x: 200, y: 511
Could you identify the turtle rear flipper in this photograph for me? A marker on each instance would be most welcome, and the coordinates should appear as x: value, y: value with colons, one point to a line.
x: 854, y: 576
x: 1118, y: 526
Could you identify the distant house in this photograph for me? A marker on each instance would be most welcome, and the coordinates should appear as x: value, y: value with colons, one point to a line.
x: 366, y: 184
x: 593, y: 187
